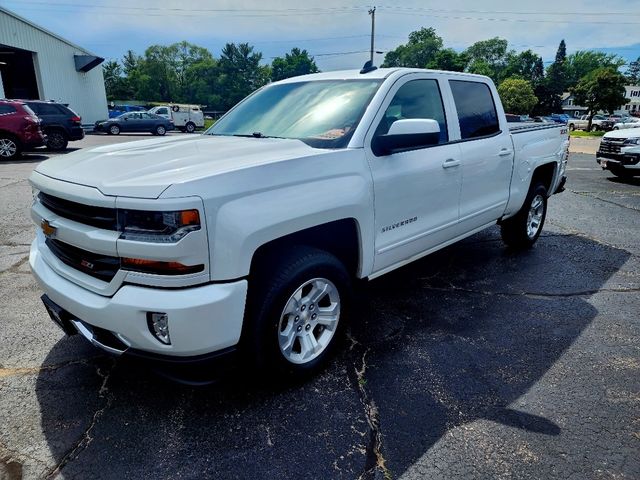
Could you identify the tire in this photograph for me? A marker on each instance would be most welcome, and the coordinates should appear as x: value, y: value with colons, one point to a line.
x: 621, y: 174
x: 523, y: 229
x: 57, y: 141
x: 593, y: 128
x: 9, y: 147
x: 616, y: 128
x: 160, y: 130
x: 572, y: 127
x: 113, y: 130
x: 281, y: 317
x: 190, y: 127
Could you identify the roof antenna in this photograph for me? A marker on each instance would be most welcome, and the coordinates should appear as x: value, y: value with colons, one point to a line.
x: 368, y: 67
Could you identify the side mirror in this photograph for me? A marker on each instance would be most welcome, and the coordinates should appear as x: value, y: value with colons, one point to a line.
x: 407, y: 134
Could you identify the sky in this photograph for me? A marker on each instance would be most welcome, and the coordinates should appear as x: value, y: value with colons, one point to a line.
x: 337, y: 33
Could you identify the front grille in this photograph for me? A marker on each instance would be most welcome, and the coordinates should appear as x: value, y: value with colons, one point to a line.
x: 99, y: 266
x: 101, y: 217
x: 611, y: 145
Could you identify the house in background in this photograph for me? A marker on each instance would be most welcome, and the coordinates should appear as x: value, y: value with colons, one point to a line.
x: 570, y: 108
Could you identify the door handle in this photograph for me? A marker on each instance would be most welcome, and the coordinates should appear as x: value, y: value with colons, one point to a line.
x: 504, y: 152
x: 450, y: 162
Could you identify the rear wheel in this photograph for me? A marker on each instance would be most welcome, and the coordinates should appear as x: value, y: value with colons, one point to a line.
x: 572, y: 127
x: 9, y: 147
x: 523, y: 229
x: 160, y: 130
x: 56, y: 141
x: 190, y: 127
x: 114, y: 130
x: 296, y: 311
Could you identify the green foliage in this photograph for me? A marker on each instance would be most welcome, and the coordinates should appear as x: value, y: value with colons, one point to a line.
x: 418, y: 52
x: 293, y: 64
x: 240, y: 73
x: 517, y: 96
x: 601, y: 89
x: 449, y: 59
x: 583, y: 62
x: 488, y: 57
x: 633, y: 73
x: 526, y: 65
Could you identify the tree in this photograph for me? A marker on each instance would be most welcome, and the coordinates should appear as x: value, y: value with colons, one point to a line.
x: 240, y: 73
x: 114, y: 81
x: 488, y: 57
x: 517, y: 96
x: 293, y: 64
x: 633, y: 72
x: 418, y: 52
x: 550, y: 91
x: 526, y: 65
x: 602, y: 89
x: 449, y: 59
x: 583, y: 62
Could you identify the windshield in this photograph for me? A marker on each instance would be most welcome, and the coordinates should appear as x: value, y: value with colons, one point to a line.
x: 323, y: 114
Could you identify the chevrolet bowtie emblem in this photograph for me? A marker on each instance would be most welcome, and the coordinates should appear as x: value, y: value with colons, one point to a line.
x: 48, y: 229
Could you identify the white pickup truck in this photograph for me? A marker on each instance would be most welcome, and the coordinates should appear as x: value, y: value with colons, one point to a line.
x: 187, y: 118
x: 250, y: 236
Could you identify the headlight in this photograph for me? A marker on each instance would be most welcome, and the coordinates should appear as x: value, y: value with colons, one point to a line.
x: 631, y: 141
x: 157, y: 227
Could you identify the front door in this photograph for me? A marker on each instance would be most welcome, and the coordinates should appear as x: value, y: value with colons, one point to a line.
x: 416, y: 192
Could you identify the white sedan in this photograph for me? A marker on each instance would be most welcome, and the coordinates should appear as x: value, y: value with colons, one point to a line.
x: 629, y: 122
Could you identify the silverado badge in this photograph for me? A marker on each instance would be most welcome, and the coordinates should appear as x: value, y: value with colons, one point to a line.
x: 48, y: 229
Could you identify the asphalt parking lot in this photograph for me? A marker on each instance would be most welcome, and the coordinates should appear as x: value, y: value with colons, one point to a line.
x: 475, y: 362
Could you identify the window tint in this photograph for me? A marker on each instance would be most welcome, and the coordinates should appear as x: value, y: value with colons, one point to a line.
x: 47, y: 109
x: 476, y: 110
x: 416, y: 99
x: 163, y: 111
x: 4, y: 109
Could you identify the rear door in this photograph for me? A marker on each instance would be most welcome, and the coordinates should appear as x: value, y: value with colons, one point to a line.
x: 487, y: 153
x: 416, y: 192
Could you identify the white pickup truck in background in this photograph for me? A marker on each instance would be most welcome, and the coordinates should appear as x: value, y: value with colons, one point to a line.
x: 187, y: 118
x: 250, y: 236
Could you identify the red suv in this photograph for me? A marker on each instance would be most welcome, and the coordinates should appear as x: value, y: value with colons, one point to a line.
x: 19, y: 129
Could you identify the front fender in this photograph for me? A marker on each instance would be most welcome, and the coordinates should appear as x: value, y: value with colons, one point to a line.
x: 244, y: 224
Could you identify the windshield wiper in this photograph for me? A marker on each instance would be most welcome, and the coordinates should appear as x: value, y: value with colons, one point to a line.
x: 253, y: 135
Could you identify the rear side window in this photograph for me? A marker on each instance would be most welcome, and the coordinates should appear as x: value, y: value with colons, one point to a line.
x: 48, y: 109
x: 4, y: 109
x: 163, y: 111
x: 476, y: 109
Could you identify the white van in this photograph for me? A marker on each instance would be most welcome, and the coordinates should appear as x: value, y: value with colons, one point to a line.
x: 186, y: 118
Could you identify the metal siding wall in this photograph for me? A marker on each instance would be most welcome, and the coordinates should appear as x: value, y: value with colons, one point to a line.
x: 57, y: 76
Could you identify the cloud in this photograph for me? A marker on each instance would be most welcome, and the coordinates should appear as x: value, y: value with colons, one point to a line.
x: 321, y: 26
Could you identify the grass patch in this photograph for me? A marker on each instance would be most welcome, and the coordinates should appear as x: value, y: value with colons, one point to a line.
x: 582, y: 133
x: 208, y: 123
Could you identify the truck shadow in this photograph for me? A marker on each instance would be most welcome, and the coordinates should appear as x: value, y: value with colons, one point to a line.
x: 451, y: 339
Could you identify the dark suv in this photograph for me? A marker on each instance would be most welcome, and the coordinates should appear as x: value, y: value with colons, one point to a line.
x: 19, y: 129
x: 60, y: 124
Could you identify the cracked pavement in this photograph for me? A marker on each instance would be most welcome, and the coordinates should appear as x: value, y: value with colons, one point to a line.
x: 475, y: 362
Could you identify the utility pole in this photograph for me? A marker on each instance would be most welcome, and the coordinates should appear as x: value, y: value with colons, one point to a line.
x: 372, y: 12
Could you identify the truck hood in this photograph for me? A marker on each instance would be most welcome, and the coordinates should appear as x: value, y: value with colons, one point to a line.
x: 625, y: 133
x: 146, y: 168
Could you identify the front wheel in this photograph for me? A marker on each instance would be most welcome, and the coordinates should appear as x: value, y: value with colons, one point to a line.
x: 296, y: 311
x: 114, y: 130
x: 523, y: 229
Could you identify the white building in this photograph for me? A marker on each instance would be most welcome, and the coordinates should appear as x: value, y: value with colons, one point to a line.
x: 633, y: 94
x: 38, y: 64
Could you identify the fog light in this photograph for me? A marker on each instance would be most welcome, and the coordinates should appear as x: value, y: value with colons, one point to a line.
x: 159, y: 325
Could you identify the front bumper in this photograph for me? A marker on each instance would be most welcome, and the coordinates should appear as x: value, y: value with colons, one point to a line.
x: 619, y: 162
x: 202, y: 319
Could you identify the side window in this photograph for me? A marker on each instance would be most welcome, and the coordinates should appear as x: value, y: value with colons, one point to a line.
x: 476, y: 110
x: 416, y: 99
x: 48, y: 109
x: 163, y: 111
x: 4, y: 109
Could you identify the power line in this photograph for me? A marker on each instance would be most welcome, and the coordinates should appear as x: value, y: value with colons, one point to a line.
x: 504, y: 12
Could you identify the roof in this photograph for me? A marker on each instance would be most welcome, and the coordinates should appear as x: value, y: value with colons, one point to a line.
x: 44, y: 30
x: 379, y: 73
